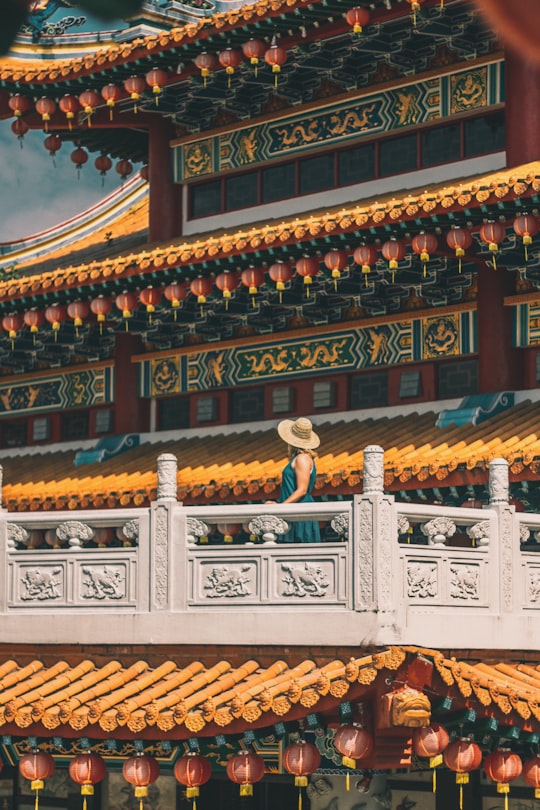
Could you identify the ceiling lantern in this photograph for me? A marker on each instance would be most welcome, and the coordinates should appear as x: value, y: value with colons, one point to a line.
x: 52, y: 144
x: 493, y: 233
x: 135, y: 86
x: 33, y: 319
x: 207, y: 63
x: 429, y: 742
x: 144, y: 172
x: 46, y: 107
x: 281, y: 274
x: 101, y: 307
x: 423, y: 244
x: 12, y: 324
x: 19, y: 127
x: 70, y: 105
x: 365, y: 256
x: 526, y: 226
x: 228, y: 531
x: 353, y: 741
x: 126, y: 302
x: 124, y: 168
x: 192, y: 770
x: 56, y: 314
x: 230, y: 59
x: 103, y: 164
x: 254, y: 50
x: 89, y: 100
x: 227, y: 282
x: 79, y: 157
x: 462, y: 756
x: 78, y: 311
x: 308, y: 267
x: 36, y: 767
x: 275, y: 56
x: 140, y: 771
x: 336, y: 261
x: 245, y: 769
x: 393, y: 251
x: 176, y: 293
x: 151, y: 298
x: 531, y: 774
x: 111, y: 94
x: 87, y: 770
x: 19, y: 104
x: 156, y: 79
x: 201, y: 287
x: 503, y: 766
x: 301, y: 758
x: 253, y: 278
x: 357, y: 17
x: 459, y: 240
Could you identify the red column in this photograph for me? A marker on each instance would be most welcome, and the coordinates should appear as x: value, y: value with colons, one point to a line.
x: 131, y: 412
x: 500, y: 365
x: 522, y: 116
x: 165, y: 218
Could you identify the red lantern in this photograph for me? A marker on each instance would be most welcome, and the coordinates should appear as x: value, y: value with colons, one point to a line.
x: 12, y: 324
x: 429, y: 742
x: 301, y: 759
x: 526, y: 226
x: 336, y: 261
x: 135, y: 86
x: 156, y: 79
x: 357, y: 17
x: 459, y: 239
x: 34, y: 318
x: 393, y: 251
x: 104, y: 537
x: 101, y: 307
x: 365, y: 256
x: 19, y: 127
x: 503, y: 766
x: 254, y: 50
x: 19, y: 104
x: 79, y: 157
x: 89, y: 100
x: 69, y: 106
x: 201, y: 287
x: 281, y: 274
x: 124, y: 168
x: 52, y: 144
x: 103, y: 164
x: 493, y: 233
x: 531, y: 774
x: 192, y: 770
x: 423, y: 244
x: 308, y: 267
x: 46, y: 107
x: 87, y: 770
x: 462, y: 756
x: 140, y: 771
x: 55, y: 315
x: 206, y: 62
x: 353, y: 742
x: 275, y: 56
x: 111, y: 93
x: 227, y: 282
x: 228, y: 530
x: 36, y: 767
x: 151, y: 298
x: 253, y: 278
x: 245, y: 769
x: 143, y: 171
x: 126, y: 303
x: 176, y: 292
x: 230, y: 59
x: 78, y: 311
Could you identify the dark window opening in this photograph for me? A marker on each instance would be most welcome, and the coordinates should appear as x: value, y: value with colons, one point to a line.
x: 173, y: 413
x: 369, y: 390
x: 247, y: 405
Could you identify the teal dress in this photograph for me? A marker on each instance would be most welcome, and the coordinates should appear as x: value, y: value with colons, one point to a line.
x: 306, y: 531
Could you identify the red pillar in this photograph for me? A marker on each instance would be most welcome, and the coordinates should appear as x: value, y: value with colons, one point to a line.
x: 522, y: 116
x: 500, y: 365
x: 165, y: 217
x: 131, y: 412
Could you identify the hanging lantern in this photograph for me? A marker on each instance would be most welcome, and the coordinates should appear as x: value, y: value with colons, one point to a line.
x: 252, y: 278
x: 281, y: 274
x: 104, y: 537
x: 175, y: 293
x: 357, y: 17
x: 531, y: 774
x: 336, y: 261
x: 46, y: 107
x: 459, y: 239
x: 275, y: 56
x: 526, y: 226
x: 124, y: 168
x: 415, y: 8
x: 19, y: 127
x: 353, y: 742
x: 79, y: 157
x: 245, y: 769
x: 111, y: 93
x: 78, y: 311
x: 228, y: 530
x: 135, y: 86
x: 308, y: 267
x: 36, y: 767
x: 70, y: 105
x: 101, y: 307
x: 227, y: 282
x: 34, y: 318
x: 156, y: 79
x: 55, y: 315
x: 423, y: 244
x: 19, y: 104
x: 365, y: 256
x: 151, y: 298
x: 89, y: 100
x: 87, y: 770
x: 201, y: 287
x: 192, y: 770
x: 144, y: 173
x: 462, y: 756
x: 230, y: 59
x: 52, y: 144
x: 254, y: 50
x: 126, y: 303
x: 301, y: 759
x: 207, y: 63
x: 503, y: 766
x: 393, y: 251
x: 429, y: 742
x: 493, y: 233
x: 140, y: 771
x: 103, y: 164
x: 12, y: 324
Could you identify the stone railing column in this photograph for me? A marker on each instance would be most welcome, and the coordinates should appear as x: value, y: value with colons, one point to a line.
x: 375, y: 548
x: 161, y: 532
x: 499, y: 488
x: 507, y: 530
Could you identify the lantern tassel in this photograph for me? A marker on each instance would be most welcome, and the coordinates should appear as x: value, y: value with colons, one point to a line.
x: 348, y: 781
x: 434, y: 781
x: 84, y: 804
x: 36, y: 803
x: 461, y: 797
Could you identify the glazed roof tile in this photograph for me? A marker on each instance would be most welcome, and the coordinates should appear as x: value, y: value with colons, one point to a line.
x: 203, y: 700
x: 469, y: 192
x: 247, y: 465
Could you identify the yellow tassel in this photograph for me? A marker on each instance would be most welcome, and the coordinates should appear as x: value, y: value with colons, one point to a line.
x: 348, y: 781
x: 434, y: 781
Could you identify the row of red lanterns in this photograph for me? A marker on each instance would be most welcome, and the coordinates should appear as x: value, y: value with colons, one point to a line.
x: 359, y: 16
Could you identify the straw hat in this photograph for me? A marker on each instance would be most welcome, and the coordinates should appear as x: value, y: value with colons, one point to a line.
x: 299, y: 433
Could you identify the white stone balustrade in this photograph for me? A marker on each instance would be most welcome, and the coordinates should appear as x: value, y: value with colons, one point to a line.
x: 392, y: 573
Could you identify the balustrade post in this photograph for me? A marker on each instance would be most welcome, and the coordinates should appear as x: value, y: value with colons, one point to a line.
x: 508, y: 543
x: 161, y: 533
x: 375, y: 549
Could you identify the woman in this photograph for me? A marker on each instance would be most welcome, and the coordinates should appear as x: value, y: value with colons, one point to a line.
x: 298, y: 477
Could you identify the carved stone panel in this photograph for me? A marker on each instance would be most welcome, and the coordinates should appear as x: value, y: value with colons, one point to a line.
x: 533, y: 587
x: 41, y: 584
x: 464, y: 581
x: 103, y: 582
x: 422, y: 580
x: 223, y: 580
x: 304, y: 579
x: 297, y: 580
